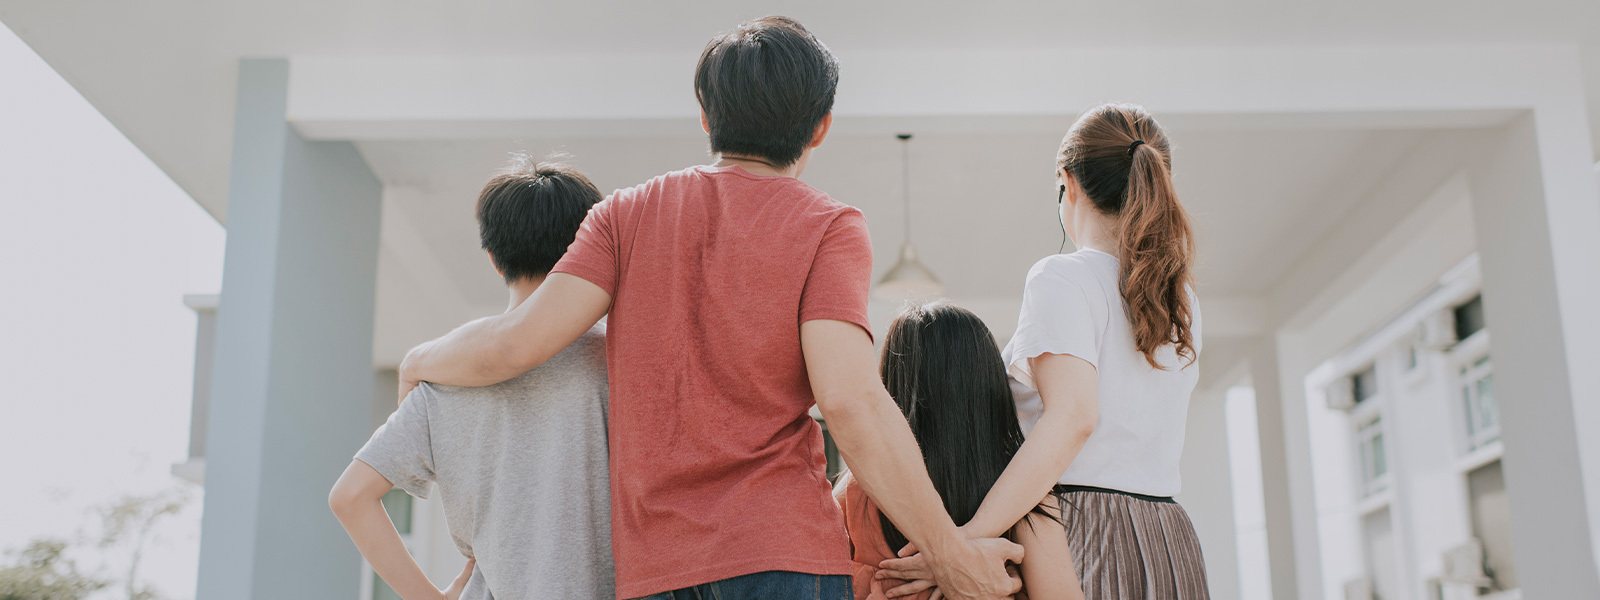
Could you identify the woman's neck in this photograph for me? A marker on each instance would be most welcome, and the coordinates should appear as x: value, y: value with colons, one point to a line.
x: 1096, y: 233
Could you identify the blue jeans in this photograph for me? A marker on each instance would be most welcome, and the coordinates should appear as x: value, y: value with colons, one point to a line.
x: 766, y: 585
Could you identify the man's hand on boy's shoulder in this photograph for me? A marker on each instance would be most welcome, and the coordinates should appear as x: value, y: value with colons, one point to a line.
x: 408, y: 381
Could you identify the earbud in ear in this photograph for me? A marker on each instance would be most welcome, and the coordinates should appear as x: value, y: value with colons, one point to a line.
x: 1061, y: 194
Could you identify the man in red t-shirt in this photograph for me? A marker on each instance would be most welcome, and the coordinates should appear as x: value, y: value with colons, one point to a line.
x: 737, y: 299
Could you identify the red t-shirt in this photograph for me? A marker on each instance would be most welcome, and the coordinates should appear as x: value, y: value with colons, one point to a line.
x: 716, y: 468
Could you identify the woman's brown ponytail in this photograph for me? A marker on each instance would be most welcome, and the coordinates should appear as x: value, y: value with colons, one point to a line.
x: 1123, y: 161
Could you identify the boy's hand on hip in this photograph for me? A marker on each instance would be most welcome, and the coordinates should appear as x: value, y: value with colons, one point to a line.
x: 460, y: 584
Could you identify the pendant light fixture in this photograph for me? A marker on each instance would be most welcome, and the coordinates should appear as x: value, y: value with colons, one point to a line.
x: 908, y: 279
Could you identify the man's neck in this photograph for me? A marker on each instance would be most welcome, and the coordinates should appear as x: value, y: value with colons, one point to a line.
x: 521, y: 289
x: 760, y: 166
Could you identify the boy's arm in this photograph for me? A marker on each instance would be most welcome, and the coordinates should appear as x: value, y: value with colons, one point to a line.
x: 877, y: 445
x: 493, y: 349
x: 357, y: 500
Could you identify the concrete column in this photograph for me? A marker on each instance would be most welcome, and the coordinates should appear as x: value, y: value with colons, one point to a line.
x: 1287, y: 494
x: 293, y: 380
x: 1208, y: 490
x: 1537, y: 216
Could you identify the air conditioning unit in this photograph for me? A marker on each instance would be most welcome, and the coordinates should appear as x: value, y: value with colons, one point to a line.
x: 1341, y: 394
x: 1463, y: 564
x: 1358, y: 589
x: 1437, y: 332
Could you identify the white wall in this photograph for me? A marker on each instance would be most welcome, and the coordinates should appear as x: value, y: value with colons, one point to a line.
x: 1249, y: 514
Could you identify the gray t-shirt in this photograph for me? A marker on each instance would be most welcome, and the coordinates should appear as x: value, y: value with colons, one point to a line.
x: 521, y: 466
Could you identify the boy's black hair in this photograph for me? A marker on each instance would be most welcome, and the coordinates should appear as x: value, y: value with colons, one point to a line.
x: 529, y: 213
x: 764, y: 87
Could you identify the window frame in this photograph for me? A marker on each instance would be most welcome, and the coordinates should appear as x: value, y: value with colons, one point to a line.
x: 1372, y: 449
x: 1469, y: 362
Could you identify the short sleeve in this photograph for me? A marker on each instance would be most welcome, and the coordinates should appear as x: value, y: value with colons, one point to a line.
x: 841, y: 273
x: 593, y: 253
x: 402, y: 449
x: 1058, y: 317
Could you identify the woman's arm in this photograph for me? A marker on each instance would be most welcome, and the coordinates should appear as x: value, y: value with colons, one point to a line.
x: 1047, y: 569
x: 1067, y: 387
x: 357, y: 500
x: 493, y: 349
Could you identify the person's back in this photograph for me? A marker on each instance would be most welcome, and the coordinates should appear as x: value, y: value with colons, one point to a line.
x: 522, y: 465
x: 737, y: 300
x: 712, y: 274
x: 521, y: 472
x: 1142, y: 408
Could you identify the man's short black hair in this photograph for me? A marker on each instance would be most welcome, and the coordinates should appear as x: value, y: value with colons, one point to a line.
x: 765, y: 86
x: 529, y: 213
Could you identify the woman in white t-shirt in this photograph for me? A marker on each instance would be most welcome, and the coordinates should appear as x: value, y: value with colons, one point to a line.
x: 1102, y: 365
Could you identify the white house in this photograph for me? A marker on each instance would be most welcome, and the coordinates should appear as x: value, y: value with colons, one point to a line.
x: 1397, y: 205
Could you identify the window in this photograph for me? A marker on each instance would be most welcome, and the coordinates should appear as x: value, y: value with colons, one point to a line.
x: 398, y: 504
x: 1377, y: 530
x: 1374, y: 458
x: 1491, y: 523
x: 1469, y: 318
x: 1364, y: 384
x: 1411, y: 358
x: 1481, y: 414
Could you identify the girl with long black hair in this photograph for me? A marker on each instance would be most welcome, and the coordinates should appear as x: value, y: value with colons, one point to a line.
x: 941, y: 365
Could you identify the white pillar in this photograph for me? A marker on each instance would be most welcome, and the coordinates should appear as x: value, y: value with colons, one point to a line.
x: 1538, y: 231
x: 292, y: 386
x: 1208, y: 490
x: 1286, y: 478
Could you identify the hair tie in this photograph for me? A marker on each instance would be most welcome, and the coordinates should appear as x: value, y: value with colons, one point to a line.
x: 1134, y: 146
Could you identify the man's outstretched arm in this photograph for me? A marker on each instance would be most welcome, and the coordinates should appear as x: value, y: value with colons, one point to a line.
x: 493, y: 349
x: 876, y: 443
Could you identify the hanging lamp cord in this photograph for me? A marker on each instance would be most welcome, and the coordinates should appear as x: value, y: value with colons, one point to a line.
x: 905, y: 175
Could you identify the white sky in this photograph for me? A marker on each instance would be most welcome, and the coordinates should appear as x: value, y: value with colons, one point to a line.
x: 97, y: 248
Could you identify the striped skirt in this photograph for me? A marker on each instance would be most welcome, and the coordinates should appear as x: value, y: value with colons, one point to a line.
x: 1131, y: 547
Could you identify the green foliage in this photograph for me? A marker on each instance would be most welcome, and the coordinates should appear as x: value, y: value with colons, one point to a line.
x: 129, y: 522
x: 42, y: 572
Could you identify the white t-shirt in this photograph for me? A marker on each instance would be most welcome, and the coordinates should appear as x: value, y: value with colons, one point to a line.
x: 1071, y: 305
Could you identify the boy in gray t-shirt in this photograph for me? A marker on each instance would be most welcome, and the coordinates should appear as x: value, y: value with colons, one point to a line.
x: 521, y: 465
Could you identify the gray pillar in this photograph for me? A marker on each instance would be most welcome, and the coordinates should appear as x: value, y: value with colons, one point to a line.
x: 293, y: 383
x: 1536, y: 226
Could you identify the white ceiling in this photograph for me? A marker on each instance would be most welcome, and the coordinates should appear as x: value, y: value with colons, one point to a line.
x: 163, y: 72
x: 983, y: 204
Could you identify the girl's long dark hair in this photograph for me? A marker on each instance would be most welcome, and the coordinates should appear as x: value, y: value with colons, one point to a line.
x: 943, y: 368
